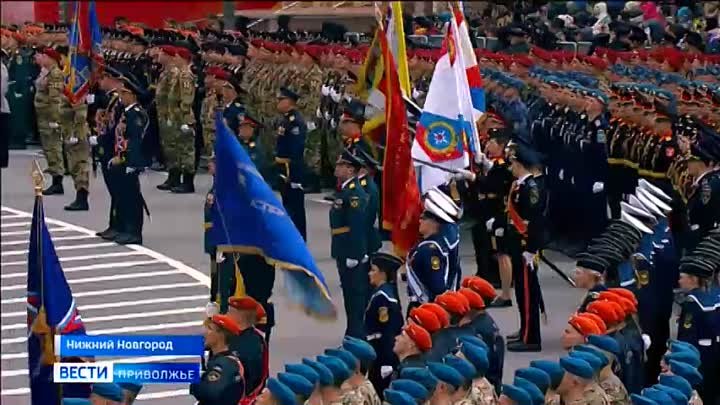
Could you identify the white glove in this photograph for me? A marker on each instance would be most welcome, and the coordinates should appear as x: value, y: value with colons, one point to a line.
x: 211, y: 308
x: 463, y: 174
x: 385, y: 371
x: 489, y: 224
x: 318, y: 113
x: 129, y: 170
x: 185, y: 128
x: 529, y: 258
x: 336, y: 97
x: 325, y: 90
x: 72, y: 140
x: 333, y: 123
x: 327, y: 116
x: 561, y: 174
x: 350, y: 263
x: 646, y: 341
x: 54, y: 125
x: 90, y: 98
x: 598, y: 187
x: 93, y: 140
x: 219, y: 257
x: 500, y: 232
x: 415, y: 93
x: 365, y: 259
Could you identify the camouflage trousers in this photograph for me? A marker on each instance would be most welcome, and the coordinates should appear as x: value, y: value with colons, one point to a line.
x: 77, y: 152
x: 208, y: 138
x: 178, y: 147
x: 51, y: 141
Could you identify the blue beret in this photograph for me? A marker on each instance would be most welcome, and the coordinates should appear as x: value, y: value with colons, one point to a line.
x: 477, y: 356
x: 471, y: 339
x: 683, y: 356
x: 677, y: 396
x: 287, y: 93
x: 657, y: 395
x: 463, y: 366
x: 325, y: 376
x: 282, y: 393
x: 678, y: 345
x: 350, y: 361
x: 595, y: 352
x: 577, y: 367
x: 519, y: 395
x: 589, y: 358
x: 641, y: 400
x: 297, y: 383
x: 360, y: 349
x: 536, y: 396
x: 394, y: 397
x: 420, y: 374
x: 446, y: 374
x: 540, y: 378
x: 412, y: 388
x: 686, y: 371
x: 76, y: 401
x: 304, y: 370
x: 134, y: 388
x: 109, y: 391
x: 605, y: 342
x: 677, y: 382
x: 552, y: 368
x: 337, y: 367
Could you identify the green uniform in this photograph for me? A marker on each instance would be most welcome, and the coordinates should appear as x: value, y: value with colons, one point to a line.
x: 21, y: 71
x: 182, y: 114
x: 349, y: 227
x: 374, y: 242
x: 48, y: 94
x: 222, y: 383
x: 209, y: 107
x: 74, y: 129
x: 165, y: 123
x: 253, y: 150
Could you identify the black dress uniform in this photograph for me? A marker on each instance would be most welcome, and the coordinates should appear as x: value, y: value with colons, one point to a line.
x: 704, y: 207
x: 234, y: 114
x: 348, y: 226
x: 368, y: 184
x: 291, y: 132
x: 128, y: 153
x: 383, y: 322
x: 526, y: 231
x: 249, y: 347
x: 111, y: 110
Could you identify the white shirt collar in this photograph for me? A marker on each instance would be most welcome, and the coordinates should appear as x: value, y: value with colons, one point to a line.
x: 130, y: 106
x: 522, y: 179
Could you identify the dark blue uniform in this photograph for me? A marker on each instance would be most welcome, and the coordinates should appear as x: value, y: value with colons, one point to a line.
x: 222, y: 383
x: 289, y: 157
x: 105, y: 148
x: 383, y: 322
x: 704, y: 207
x: 348, y: 224
x: 451, y: 237
x: 485, y: 327
x: 234, y: 114
x: 428, y: 270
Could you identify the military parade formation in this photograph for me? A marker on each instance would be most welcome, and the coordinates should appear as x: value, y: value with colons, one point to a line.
x: 611, y: 156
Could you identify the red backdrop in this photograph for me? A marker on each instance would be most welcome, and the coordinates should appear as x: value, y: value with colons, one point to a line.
x: 151, y: 13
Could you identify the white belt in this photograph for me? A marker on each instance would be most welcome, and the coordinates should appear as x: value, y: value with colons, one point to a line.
x: 705, y: 342
x: 296, y: 186
x: 373, y: 336
x: 694, y: 227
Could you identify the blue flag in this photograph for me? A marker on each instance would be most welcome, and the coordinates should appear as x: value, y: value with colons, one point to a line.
x: 51, y: 311
x: 85, y: 52
x: 249, y: 218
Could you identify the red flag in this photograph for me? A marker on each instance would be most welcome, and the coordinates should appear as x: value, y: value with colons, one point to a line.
x: 401, y: 206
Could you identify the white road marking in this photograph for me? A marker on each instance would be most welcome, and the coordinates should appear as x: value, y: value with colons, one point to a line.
x: 77, y: 258
x: 12, y: 216
x: 99, y: 279
x: 121, y: 304
x: 115, y: 265
x: 57, y: 239
x: 147, y: 359
x: 27, y: 231
x: 62, y: 248
x: 137, y: 315
x: 115, y: 291
x: 14, y: 224
x: 126, y: 329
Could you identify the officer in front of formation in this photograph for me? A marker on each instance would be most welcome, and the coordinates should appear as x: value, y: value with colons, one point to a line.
x: 383, y: 317
x: 367, y: 182
x: 128, y: 163
x: 222, y: 381
x: 349, y: 227
x: 290, y: 148
x: 525, y: 234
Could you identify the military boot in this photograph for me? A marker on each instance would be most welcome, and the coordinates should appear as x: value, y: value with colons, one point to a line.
x: 80, y: 203
x: 172, y: 181
x: 187, y: 185
x: 56, y: 187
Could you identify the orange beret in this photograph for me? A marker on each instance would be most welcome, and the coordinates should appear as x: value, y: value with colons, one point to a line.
x: 474, y: 299
x: 419, y: 335
x: 598, y: 321
x: 227, y: 323
x: 609, y: 311
x: 584, y: 325
x: 426, y: 319
x: 452, y: 303
x: 627, y: 306
x: 440, y: 312
x: 624, y: 292
x: 480, y: 286
x: 183, y: 53
x: 247, y: 303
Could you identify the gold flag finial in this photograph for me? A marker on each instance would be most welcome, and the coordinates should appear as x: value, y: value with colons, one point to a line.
x: 37, y: 177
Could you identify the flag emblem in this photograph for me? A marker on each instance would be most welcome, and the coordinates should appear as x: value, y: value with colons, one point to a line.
x: 442, y: 138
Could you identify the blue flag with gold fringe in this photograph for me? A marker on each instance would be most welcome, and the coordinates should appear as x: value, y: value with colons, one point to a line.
x: 248, y: 218
x: 51, y: 311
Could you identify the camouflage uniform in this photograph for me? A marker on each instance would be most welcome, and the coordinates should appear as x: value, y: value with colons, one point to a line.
x: 74, y: 129
x: 49, y: 90
x: 165, y: 124
x: 184, y: 91
x: 210, y: 106
x: 467, y: 400
x: 553, y: 400
x: 483, y: 393
x: 595, y: 395
x: 365, y: 394
x: 615, y: 390
x: 695, y: 399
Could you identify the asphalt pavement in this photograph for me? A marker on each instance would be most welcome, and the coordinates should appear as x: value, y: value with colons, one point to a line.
x: 162, y: 286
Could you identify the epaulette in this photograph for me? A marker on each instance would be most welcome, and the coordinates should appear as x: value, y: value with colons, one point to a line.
x: 351, y: 186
